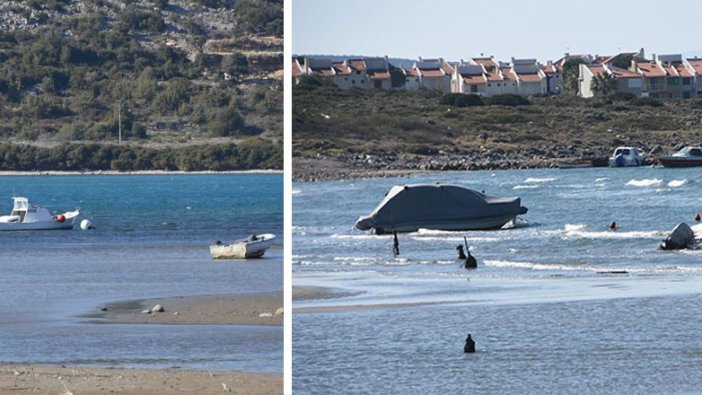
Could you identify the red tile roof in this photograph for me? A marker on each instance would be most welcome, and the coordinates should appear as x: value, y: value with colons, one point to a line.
x: 550, y: 69
x: 682, y: 70
x: 596, y: 69
x: 670, y: 70
x: 486, y: 62
x: 696, y: 65
x: 448, y: 69
x: 296, y: 71
x: 474, y: 79
x: 323, y: 72
x: 379, y: 75
x: 357, y: 64
x: 411, y: 72
x: 601, y: 59
x: 508, y: 74
x: 341, y: 69
x: 432, y: 74
x: 494, y: 76
x: 651, y: 70
x: 623, y: 73
x: 530, y: 77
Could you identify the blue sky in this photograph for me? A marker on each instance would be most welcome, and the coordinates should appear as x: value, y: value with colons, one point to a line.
x: 454, y: 30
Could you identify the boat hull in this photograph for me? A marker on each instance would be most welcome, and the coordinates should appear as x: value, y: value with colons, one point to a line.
x: 488, y: 223
x: 53, y: 225
x: 242, y: 249
x: 680, y: 162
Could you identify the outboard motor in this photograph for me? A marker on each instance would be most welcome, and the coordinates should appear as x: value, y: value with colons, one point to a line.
x: 681, y: 237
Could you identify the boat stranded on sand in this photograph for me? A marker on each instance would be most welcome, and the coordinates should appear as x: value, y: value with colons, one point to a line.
x: 626, y: 156
x: 26, y: 217
x: 408, y: 208
x: 687, y: 157
x: 253, y: 246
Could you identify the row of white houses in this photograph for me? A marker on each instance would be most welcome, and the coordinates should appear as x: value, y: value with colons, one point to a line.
x: 484, y: 76
x: 665, y: 76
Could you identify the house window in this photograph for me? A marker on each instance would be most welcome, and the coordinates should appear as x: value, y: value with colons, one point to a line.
x: 363, y: 81
x: 378, y: 84
x: 673, y: 80
x: 686, y: 81
x: 358, y: 73
x: 353, y: 82
x: 489, y: 84
x: 686, y: 95
x: 346, y: 78
x: 473, y: 88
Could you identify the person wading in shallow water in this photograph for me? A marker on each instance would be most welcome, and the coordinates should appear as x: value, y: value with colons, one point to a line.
x: 470, y: 262
x: 470, y: 345
x: 395, y: 244
x: 461, y: 254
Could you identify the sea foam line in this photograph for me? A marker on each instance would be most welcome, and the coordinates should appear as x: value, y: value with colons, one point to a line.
x: 646, y: 182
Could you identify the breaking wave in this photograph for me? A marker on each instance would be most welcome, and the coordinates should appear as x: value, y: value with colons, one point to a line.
x: 677, y: 183
x: 647, y: 182
x: 535, y: 179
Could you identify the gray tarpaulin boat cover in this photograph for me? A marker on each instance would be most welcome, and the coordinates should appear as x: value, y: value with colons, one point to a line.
x: 406, y: 208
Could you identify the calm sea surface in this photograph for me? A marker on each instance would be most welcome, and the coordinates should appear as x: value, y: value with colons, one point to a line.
x: 151, y: 240
x: 546, y: 311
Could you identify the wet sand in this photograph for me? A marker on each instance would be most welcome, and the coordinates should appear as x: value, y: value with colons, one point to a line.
x: 25, y: 379
x: 249, y: 309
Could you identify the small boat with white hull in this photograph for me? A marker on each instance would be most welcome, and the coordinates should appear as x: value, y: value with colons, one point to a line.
x: 30, y: 217
x: 626, y: 156
x: 253, y: 246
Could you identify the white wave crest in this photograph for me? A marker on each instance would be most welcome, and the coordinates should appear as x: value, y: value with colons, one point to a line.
x: 601, y: 179
x: 677, y: 183
x: 535, y: 179
x: 525, y: 186
x: 646, y: 182
x: 578, y: 230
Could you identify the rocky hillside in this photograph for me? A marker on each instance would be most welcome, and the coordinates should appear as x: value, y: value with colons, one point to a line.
x: 167, y: 73
x: 354, y: 133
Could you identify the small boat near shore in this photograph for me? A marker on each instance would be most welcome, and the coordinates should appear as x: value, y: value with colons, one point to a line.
x: 625, y: 157
x: 253, y: 246
x: 407, y: 208
x: 689, y: 156
x: 31, y: 217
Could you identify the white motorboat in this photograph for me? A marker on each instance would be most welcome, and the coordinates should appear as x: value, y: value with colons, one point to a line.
x: 253, y: 246
x: 26, y: 217
x: 626, y: 156
x: 690, y: 156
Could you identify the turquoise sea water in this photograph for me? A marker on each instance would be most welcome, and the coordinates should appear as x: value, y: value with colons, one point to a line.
x: 547, y: 310
x: 151, y: 240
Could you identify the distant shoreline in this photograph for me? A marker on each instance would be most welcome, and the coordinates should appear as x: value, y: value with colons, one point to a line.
x: 134, y: 172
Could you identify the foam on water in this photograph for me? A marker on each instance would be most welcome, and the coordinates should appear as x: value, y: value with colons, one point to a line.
x: 539, y: 180
x: 677, y: 183
x: 531, y: 186
x: 648, y: 182
x: 579, y: 230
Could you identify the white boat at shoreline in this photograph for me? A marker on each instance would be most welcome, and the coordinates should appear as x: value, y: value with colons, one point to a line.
x: 253, y: 246
x: 26, y: 217
x: 626, y: 156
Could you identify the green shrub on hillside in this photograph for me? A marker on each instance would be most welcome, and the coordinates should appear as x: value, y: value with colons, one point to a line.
x: 461, y: 100
x: 507, y: 100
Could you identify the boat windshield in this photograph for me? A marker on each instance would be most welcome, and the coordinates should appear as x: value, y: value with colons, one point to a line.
x: 695, y: 152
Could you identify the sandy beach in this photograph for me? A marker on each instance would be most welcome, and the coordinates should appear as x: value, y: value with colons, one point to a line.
x: 24, y: 379
x: 249, y: 309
